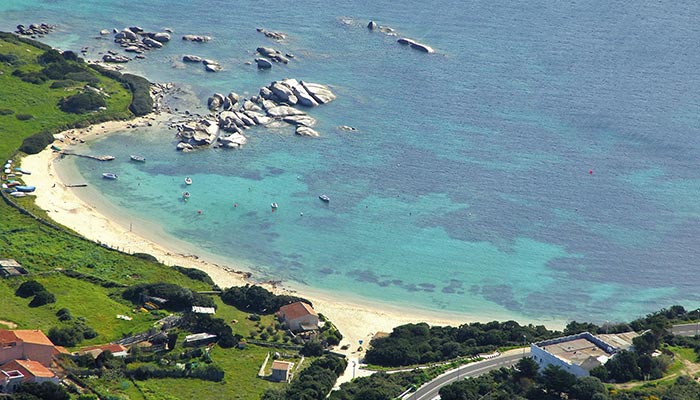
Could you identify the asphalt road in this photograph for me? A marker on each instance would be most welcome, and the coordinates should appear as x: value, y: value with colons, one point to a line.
x: 430, y: 390
x: 686, y: 329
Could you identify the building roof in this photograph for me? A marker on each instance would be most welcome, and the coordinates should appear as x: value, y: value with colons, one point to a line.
x: 583, y: 350
x: 282, y: 365
x: 297, y: 310
x: 203, y: 310
x: 97, y: 350
x: 199, y: 336
x: 8, y: 262
x: 621, y: 341
x: 26, y: 336
x: 29, y: 368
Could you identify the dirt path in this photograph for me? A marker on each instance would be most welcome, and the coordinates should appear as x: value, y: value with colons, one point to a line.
x: 8, y: 324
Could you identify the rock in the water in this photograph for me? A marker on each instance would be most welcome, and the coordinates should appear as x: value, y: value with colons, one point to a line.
x: 321, y: 93
x: 283, y: 111
x: 126, y: 34
x: 284, y: 93
x: 250, y: 106
x: 133, y: 49
x: 136, y: 29
x: 191, y: 58
x: 304, y: 120
x: 263, y: 63
x: 212, y: 66
x: 372, y: 25
x: 306, y: 131
x: 347, y: 128
x: 233, y: 141
x: 104, y: 32
x: 304, y: 98
x: 162, y: 37
x: 152, y: 43
x: 214, y: 103
x: 196, y: 38
x: 111, y: 58
x: 415, y: 45
x: 183, y: 146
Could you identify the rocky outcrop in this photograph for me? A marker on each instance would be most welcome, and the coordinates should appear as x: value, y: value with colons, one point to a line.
x: 34, y: 29
x: 263, y: 63
x: 162, y: 37
x: 302, y: 130
x: 321, y: 93
x: 196, y: 38
x: 199, y: 133
x: 272, y: 54
x: 304, y: 120
x: 416, y: 45
x: 372, y: 26
x: 232, y: 141
x: 212, y: 66
x: 272, y: 35
x: 111, y: 58
x: 191, y: 58
x: 152, y: 43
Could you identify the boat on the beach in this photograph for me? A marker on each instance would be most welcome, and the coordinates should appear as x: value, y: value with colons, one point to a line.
x: 18, y: 194
x: 185, y: 195
x: 27, y: 189
x: 109, y: 175
x: 188, y: 181
x: 137, y: 158
x: 12, y: 183
x: 324, y: 198
x: 23, y: 171
x: 55, y: 148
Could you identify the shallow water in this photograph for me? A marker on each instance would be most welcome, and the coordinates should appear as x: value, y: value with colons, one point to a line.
x: 541, y: 164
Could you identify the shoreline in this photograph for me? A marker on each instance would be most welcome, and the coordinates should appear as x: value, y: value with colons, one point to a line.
x: 356, y: 320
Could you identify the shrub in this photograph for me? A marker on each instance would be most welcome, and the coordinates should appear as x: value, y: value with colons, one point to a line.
x: 64, y: 83
x: 146, y: 256
x: 6, y: 111
x: 24, y: 117
x: 8, y: 58
x: 29, y: 288
x: 83, y: 76
x: 82, y: 102
x: 36, y: 143
x: 42, y: 298
x: 312, y: 348
x: 195, y: 274
x: 179, y: 298
x: 64, y: 314
x: 34, y: 77
x: 257, y: 299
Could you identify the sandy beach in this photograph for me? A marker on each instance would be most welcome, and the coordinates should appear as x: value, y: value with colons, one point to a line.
x: 356, y: 321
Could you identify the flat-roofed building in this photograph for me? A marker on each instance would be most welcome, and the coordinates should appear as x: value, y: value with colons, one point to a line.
x: 577, y: 354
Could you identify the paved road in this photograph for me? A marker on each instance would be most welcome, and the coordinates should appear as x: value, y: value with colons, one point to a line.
x: 686, y: 329
x: 430, y: 390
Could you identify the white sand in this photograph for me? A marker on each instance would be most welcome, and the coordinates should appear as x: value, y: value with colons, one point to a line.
x: 356, y: 321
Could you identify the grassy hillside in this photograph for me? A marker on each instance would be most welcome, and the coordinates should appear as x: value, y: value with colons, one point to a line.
x: 85, y: 277
x: 18, y: 97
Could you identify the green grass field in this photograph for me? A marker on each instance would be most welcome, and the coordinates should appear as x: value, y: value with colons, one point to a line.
x: 44, y: 250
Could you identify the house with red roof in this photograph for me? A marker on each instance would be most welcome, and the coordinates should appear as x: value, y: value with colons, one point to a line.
x: 299, y: 317
x: 31, y: 371
x: 27, y: 345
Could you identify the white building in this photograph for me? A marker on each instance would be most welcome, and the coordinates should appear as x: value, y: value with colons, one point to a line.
x: 579, y: 354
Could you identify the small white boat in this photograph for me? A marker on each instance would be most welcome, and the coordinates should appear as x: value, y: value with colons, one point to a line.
x: 18, y: 194
x: 188, y: 181
x: 109, y: 175
x: 137, y: 158
x: 324, y: 198
x: 185, y: 195
x: 274, y: 206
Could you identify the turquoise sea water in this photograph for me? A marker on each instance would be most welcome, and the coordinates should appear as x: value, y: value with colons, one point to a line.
x: 468, y: 186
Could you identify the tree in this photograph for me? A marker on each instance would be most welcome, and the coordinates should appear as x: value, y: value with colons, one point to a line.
x: 527, y: 368
x: 41, y: 298
x: 646, y: 343
x: 44, y: 391
x: 556, y: 380
x: 312, y: 348
x: 586, y: 387
x: 29, y: 288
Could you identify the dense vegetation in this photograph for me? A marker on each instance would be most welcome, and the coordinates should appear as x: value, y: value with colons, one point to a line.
x: 257, y: 299
x: 312, y: 383
x: 382, y: 385
x: 142, y: 103
x: 419, y: 343
x: 217, y: 326
x: 82, y: 102
x: 178, y: 298
x: 33, y: 288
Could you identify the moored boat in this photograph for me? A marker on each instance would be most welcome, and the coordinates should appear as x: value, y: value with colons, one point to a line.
x: 109, y: 175
x: 188, y: 181
x: 324, y: 198
x: 137, y: 158
x: 274, y: 206
x: 27, y: 189
x: 186, y: 195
